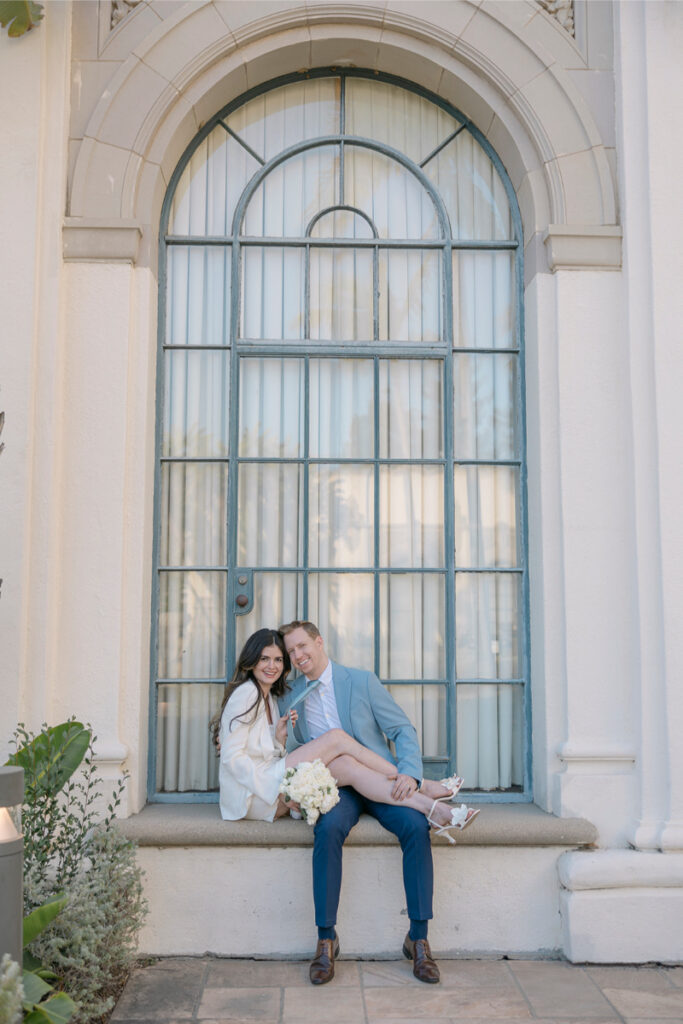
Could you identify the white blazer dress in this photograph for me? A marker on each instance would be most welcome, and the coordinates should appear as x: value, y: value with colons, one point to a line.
x: 252, y: 762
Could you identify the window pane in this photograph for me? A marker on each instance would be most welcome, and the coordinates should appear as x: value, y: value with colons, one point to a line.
x: 282, y: 117
x: 186, y: 758
x: 288, y: 199
x: 484, y: 406
x: 483, y: 300
x: 192, y: 625
x: 270, y: 514
x: 341, y: 516
x: 486, y: 503
x: 393, y: 198
x: 472, y: 190
x: 487, y: 631
x: 398, y: 117
x: 198, y: 295
x: 490, y: 736
x: 193, y: 513
x: 411, y: 516
x: 342, y: 607
x: 207, y: 194
x: 272, y: 293
x: 196, y: 404
x: 277, y: 597
x: 342, y: 403
x: 412, y: 625
x: 271, y: 408
x: 341, y: 290
x: 425, y: 706
x: 410, y: 409
x: 410, y: 295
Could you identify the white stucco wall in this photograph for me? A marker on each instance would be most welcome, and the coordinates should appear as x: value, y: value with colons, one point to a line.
x: 604, y: 369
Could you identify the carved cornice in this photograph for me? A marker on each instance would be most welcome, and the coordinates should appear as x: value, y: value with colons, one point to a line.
x: 563, y: 10
x: 119, y: 10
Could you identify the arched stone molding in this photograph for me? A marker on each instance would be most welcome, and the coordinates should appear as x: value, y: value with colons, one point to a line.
x: 501, y: 64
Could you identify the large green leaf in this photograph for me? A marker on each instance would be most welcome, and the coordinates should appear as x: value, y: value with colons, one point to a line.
x: 34, y: 989
x: 58, y: 1009
x: 41, y: 917
x: 20, y: 15
x: 30, y: 962
x: 52, y: 757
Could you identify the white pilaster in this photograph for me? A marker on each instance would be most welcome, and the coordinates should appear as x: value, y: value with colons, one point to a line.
x: 34, y: 112
x: 647, y: 37
x: 597, y: 749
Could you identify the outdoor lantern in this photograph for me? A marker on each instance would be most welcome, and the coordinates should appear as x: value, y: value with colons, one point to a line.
x: 11, y: 862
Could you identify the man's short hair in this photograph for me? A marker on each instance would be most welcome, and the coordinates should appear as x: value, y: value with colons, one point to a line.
x: 310, y: 628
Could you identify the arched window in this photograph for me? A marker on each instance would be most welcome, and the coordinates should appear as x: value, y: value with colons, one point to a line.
x: 341, y: 423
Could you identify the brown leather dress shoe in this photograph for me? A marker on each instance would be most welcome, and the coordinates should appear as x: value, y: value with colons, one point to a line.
x: 322, y: 965
x: 424, y: 967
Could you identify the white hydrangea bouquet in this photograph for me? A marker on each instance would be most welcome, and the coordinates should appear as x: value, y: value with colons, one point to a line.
x: 310, y: 785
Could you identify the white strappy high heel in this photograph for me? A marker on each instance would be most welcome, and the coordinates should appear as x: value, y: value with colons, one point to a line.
x: 461, y: 817
x: 454, y: 783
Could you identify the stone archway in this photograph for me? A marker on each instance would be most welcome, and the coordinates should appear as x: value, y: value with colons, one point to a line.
x: 502, y: 66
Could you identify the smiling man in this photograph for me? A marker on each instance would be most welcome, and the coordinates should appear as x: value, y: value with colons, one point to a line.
x: 355, y: 700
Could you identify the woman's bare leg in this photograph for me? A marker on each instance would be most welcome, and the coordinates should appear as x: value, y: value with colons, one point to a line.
x: 336, y: 742
x: 376, y: 786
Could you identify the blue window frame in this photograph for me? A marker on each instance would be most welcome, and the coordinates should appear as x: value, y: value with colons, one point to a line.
x: 341, y: 428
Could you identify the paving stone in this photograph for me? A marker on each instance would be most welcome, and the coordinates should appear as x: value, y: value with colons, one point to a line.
x: 653, y: 1020
x: 491, y: 975
x: 252, y: 1004
x: 161, y: 992
x: 434, y: 1002
x: 560, y: 990
x: 329, y: 1003
x: 272, y: 974
x: 641, y: 1003
x: 646, y: 979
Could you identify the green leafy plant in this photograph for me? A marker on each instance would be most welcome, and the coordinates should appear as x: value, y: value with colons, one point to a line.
x: 92, y: 944
x: 59, y: 806
x: 40, y: 1002
x: 77, y: 862
x: 20, y: 15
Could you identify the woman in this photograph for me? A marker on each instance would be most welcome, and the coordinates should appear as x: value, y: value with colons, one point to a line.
x: 251, y: 736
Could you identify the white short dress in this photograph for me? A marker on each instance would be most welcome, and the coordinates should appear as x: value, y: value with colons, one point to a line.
x: 252, y: 762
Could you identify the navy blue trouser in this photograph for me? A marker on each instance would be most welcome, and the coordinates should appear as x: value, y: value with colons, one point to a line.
x: 412, y: 831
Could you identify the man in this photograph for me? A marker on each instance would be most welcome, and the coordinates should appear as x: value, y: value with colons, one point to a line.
x: 356, y: 701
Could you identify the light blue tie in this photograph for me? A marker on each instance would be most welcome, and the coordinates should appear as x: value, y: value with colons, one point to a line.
x: 307, y: 692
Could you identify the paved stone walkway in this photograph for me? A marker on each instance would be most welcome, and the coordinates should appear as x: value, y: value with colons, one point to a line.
x: 215, y: 991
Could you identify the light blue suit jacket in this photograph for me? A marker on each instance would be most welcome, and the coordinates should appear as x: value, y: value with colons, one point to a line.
x: 368, y: 713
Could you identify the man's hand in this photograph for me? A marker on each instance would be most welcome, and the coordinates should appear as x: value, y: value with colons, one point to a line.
x: 404, y: 786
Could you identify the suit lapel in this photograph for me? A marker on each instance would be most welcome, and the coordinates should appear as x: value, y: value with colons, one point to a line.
x: 342, y: 694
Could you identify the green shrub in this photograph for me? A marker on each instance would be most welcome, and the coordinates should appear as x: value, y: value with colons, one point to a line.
x: 91, y: 945
x: 69, y: 848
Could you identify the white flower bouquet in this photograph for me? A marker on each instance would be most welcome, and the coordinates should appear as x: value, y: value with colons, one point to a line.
x: 311, y: 786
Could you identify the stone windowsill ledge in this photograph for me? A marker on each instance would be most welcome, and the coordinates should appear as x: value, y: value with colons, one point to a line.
x: 164, y: 825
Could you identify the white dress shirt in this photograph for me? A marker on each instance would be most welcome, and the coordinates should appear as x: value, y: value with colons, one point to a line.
x: 321, y: 705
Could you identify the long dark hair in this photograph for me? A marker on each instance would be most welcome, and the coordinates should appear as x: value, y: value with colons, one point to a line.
x: 244, y: 673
